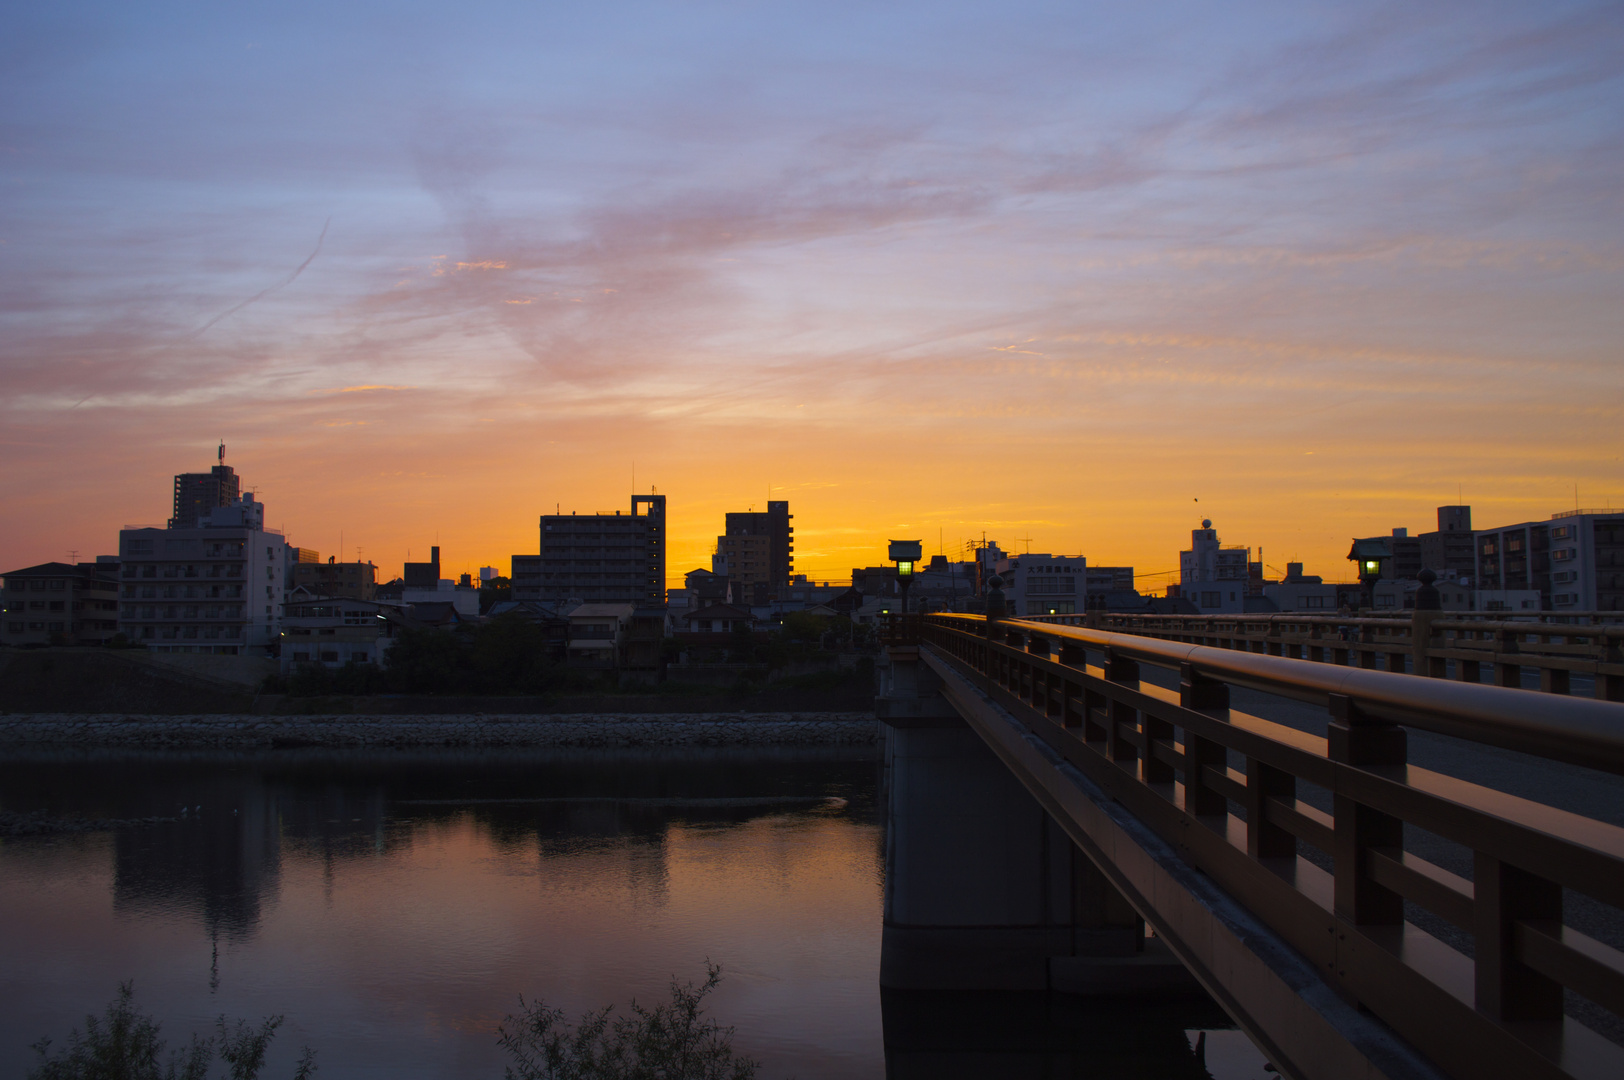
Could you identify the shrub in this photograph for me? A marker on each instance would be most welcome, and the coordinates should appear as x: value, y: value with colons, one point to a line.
x: 671, y: 1041
x: 124, y: 1044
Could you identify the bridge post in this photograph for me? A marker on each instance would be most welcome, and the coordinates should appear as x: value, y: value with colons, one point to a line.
x: 983, y: 890
x: 1354, y: 739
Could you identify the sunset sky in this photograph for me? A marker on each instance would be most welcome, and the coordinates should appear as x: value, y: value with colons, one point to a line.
x: 1048, y: 272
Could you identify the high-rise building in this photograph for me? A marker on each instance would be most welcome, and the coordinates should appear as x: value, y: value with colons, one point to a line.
x: 766, y: 541
x: 197, y: 494
x: 602, y: 558
x: 214, y: 588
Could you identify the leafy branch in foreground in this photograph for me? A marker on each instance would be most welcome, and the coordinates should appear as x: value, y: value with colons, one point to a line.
x: 674, y: 1040
x: 124, y: 1044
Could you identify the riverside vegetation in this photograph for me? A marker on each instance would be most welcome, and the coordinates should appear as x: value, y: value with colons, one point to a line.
x: 672, y: 1040
x: 510, y: 655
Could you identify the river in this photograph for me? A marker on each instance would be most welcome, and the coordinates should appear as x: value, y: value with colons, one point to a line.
x: 393, y: 906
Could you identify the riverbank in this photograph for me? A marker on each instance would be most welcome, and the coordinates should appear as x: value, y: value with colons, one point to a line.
x: 234, y: 731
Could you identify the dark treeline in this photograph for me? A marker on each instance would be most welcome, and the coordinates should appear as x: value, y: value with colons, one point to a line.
x: 507, y: 655
x: 511, y: 655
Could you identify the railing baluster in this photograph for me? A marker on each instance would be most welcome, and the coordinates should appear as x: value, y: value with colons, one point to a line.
x: 1120, y: 669
x: 1507, y: 988
x: 1355, y: 739
x: 1265, y: 839
x: 1198, y: 692
x: 1073, y: 655
x: 1507, y: 673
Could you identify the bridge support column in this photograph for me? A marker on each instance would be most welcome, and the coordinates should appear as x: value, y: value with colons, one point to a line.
x: 983, y: 891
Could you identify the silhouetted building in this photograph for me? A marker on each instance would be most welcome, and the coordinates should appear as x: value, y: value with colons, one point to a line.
x: 602, y: 558
x: 357, y: 580
x: 525, y: 575
x: 333, y: 631
x: 1449, y: 551
x: 1102, y: 581
x: 772, y: 562
x: 196, y: 494
x: 61, y: 603
x: 424, y: 575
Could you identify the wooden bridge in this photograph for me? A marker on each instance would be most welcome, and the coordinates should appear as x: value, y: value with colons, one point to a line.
x: 1276, y: 864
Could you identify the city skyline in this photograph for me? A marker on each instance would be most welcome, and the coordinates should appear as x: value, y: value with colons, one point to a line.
x: 920, y: 272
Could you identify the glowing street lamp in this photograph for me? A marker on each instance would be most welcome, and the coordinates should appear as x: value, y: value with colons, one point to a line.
x: 906, y: 554
x: 1369, y: 556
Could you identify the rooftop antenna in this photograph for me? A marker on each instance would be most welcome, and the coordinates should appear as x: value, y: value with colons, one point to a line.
x: 222, y: 454
x: 73, y: 555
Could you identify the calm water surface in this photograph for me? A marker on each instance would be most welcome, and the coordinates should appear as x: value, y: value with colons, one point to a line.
x: 393, y: 906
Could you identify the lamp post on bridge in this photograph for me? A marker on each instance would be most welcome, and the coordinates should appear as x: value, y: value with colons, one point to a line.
x: 906, y: 554
x: 1368, y: 556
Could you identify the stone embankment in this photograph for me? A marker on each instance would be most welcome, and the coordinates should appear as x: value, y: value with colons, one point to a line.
x: 240, y: 732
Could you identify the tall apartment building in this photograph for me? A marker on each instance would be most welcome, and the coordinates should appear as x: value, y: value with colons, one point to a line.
x: 61, y: 603
x: 216, y: 588
x: 1214, y: 577
x: 746, y: 561
x: 198, y: 494
x: 769, y: 540
x: 1575, y: 560
x: 599, y: 558
x: 1448, y: 551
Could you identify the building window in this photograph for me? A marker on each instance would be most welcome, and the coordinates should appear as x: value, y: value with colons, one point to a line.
x: 1313, y: 601
x: 1562, y: 554
x: 1211, y: 599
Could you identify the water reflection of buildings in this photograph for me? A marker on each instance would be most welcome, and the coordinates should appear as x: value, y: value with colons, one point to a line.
x: 234, y: 822
x: 218, y: 859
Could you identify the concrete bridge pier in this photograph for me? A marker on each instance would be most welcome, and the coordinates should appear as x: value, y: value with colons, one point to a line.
x: 983, y: 890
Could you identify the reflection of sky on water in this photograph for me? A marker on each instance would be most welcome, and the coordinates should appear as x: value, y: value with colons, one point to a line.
x: 394, y: 907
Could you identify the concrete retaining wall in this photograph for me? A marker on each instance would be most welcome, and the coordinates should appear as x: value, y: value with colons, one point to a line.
x: 234, y: 732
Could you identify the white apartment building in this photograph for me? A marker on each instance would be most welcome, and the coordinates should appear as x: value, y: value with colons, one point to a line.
x: 1575, y: 560
x: 217, y: 588
x: 1213, y: 576
x: 1044, y: 584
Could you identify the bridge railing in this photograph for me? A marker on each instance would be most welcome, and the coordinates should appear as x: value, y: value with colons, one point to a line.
x: 1440, y: 644
x: 1497, y: 1007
